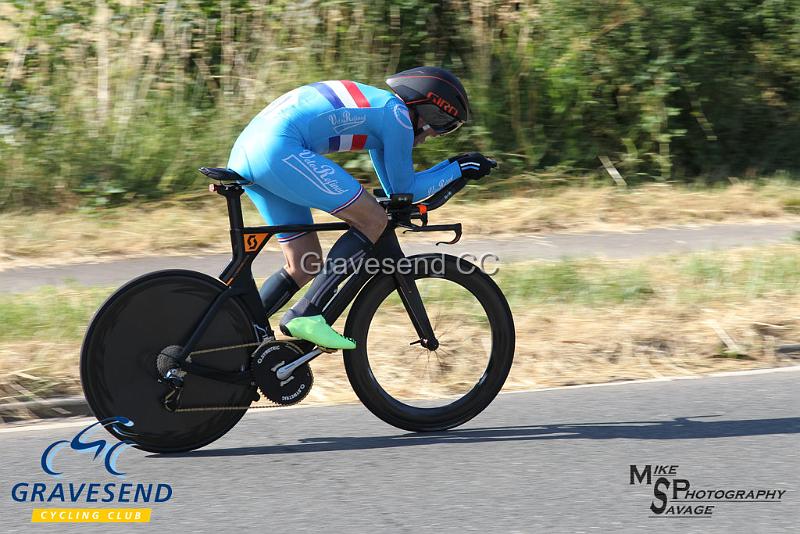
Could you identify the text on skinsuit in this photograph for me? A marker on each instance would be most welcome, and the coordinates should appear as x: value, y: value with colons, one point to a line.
x: 321, y: 176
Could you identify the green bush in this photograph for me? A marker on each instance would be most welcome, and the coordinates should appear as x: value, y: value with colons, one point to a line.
x: 106, y: 102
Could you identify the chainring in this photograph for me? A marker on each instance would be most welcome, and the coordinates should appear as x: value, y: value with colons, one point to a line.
x: 264, y: 364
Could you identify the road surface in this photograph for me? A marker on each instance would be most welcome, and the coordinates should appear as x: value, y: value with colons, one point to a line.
x: 548, y: 461
x: 545, y: 247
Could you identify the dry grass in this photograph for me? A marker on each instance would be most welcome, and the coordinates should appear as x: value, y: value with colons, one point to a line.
x: 197, y: 224
x: 31, y: 370
x: 556, y: 345
x: 576, y: 322
x: 563, y: 345
x: 582, y: 347
x: 610, y: 208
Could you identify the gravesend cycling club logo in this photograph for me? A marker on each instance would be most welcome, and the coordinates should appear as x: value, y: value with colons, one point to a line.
x: 677, y: 497
x: 98, y: 446
x: 104, y: 453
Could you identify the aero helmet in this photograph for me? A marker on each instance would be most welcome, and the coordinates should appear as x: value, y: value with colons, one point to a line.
x: 435, y: 94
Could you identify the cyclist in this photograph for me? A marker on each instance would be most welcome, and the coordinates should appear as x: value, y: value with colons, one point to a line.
x: 282, y: 152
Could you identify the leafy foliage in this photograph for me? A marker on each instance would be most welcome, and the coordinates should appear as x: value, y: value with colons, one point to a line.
x: 107, y: 101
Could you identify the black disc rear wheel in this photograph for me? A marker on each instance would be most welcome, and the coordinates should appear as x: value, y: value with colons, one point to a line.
x: 121, y: 347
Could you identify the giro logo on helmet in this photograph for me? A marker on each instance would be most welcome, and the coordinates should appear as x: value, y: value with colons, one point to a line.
x: 436, y: 94
x: 443, y: 104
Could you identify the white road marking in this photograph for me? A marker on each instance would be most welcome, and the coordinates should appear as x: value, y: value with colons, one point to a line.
x: 770, y: 370
x: 84, y: 421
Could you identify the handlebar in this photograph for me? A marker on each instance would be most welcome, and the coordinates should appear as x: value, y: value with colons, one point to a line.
x: 402, y: 201
x: 402, y: 210
x: 438, y: 199
x: 435, y: 201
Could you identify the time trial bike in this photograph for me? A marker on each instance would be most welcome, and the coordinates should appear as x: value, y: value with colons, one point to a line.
x: 184, y: 355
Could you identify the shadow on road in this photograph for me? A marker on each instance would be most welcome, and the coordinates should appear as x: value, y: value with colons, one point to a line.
x: 678, y: 428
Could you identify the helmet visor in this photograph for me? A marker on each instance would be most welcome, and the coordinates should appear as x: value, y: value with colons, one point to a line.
x: 441, y: 122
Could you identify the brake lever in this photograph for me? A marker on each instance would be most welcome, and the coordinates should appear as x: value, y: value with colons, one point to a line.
x: 456, y: 239
x: 455, y: 228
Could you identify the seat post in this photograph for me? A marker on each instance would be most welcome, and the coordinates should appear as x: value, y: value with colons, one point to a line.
x: 234, y: 199
x: 232, y: 194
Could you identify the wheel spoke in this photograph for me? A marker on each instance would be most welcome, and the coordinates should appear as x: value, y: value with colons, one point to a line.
x: 443, y: 388
x: 453, y: 368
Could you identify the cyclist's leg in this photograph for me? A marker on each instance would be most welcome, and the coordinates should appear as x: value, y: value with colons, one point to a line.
x: 268, y: 155
x: 248, y: 159
x: 303, y: 176
x: 276, y: 162
x: 301, y: 250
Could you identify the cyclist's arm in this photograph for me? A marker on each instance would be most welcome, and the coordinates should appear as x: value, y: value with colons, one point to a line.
x: 393, y: 162
x: 438, y: 167
x: 376, y: 154
x: 380, y: 167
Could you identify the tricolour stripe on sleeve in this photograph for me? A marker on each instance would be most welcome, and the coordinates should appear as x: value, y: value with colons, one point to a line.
x: 345, y: 143
x: 342, y: 93
x: 353, y: 90
x: 325, y: 90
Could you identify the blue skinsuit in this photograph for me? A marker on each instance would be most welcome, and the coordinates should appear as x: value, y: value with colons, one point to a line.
x: 281, y: 151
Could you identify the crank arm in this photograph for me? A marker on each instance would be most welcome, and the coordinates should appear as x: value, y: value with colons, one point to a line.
x: 287, y: 370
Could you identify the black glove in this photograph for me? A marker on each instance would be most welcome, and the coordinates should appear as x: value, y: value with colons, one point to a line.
x: 474, y: 165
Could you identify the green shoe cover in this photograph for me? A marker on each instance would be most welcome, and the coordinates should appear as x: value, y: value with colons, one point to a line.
x: 319, y: 332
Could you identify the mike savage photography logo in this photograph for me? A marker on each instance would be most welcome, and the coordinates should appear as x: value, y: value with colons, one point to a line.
x: 674, y: 495
x: 75, y: 501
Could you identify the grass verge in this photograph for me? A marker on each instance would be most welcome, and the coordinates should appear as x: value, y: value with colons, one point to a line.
x: 576, y: 322
x: 192, y: 224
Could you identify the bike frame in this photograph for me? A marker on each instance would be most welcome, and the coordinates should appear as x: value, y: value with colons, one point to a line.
x: 248, y: 241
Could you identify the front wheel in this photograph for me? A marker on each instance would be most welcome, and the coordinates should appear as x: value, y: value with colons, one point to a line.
x: 424, y: 391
